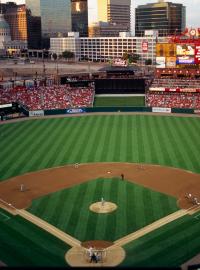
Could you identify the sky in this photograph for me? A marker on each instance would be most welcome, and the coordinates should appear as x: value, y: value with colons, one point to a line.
x: 192, y: 9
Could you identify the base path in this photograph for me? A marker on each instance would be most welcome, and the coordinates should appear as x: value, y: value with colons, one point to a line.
x: 171, y: 181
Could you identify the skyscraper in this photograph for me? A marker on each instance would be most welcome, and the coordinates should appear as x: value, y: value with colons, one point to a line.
x: 79, y: 9
x: 166, y: 17
x: 109, y: 17
x: 15, y: 15
x: 55, y: 17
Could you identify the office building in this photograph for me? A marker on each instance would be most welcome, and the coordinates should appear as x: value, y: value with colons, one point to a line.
x: 55, y: 17
x: 15, y: 15
x: 4, y: 33
x: 108, y: 17
x: 79, y: 10
x: 105, y: 48
x: 166, y: 17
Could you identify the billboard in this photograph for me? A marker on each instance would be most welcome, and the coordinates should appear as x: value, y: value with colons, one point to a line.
x: 145, y: 46
x: 197, y: 54
x: 185, y: 60
x: 118, y: 62
x: 171, y: 62
x: 165, y: 49
x: 160, y: 62
x: 185, y: 49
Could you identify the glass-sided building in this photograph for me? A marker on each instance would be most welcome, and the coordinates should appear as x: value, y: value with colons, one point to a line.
x: 55, y: 17
x: 79, y: 9
x: 166, y: 17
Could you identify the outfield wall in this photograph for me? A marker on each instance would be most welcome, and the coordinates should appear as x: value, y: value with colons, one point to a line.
x: 106, y: 109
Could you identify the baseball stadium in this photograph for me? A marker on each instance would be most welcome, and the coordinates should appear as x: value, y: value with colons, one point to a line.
x: 102, y: 169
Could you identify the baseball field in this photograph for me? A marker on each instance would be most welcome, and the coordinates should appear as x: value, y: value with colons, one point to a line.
x: 159, y: 157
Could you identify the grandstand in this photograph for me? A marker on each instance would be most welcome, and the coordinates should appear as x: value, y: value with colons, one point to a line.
x: 49, y: 97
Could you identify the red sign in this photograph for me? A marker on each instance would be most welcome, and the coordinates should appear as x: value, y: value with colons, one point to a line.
x: 144, y: 46
x: 197, y: 54
x: 118, y: 62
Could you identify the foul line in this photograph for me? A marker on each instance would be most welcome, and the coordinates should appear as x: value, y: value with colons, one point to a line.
x: 49, y: 228
x: 6, y: 217
x: 153, y: 226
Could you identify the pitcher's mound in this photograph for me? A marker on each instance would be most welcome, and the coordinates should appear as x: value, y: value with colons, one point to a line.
x: 111, y: 255
x: 106, y: 207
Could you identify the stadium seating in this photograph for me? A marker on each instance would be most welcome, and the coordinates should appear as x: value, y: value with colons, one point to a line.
x: 173, y: 100
x: 49, y: 97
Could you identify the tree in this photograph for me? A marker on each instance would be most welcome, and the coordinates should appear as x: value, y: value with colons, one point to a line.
x: 68, y: 55
x: 148, y: 62
x: 54, y: 55
x: 131, y: 57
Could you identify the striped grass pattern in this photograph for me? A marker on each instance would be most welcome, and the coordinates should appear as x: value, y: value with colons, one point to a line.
x: 24, y: 244
x: 35, y: 145
x: 69, y: 209
x: 168, y: 246
x: 39, y: 144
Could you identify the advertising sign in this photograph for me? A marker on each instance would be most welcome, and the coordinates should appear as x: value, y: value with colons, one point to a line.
x: 5, y: 105
x: 197, y: 54
x: 161, y: 110
x: 165, y: 49
x: 157, y: 89
x: 160, y: 62
x: 170, y: 62
x: 185, y: 60
x: 36, y: 113
x: 75, y: 111
x: 118, y: 62
x: 144, y: 46
x: 185, y: 49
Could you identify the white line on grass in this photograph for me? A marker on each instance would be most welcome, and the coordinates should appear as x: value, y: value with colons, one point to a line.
x: 6, y: 217
x: 196, y: 217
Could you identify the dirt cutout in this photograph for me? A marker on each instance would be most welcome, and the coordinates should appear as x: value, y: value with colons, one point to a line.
x: 171, y: 181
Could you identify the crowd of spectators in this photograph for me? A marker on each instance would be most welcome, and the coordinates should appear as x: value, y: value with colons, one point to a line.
x: 49, y: 97
x: 176, y: 83
x: 184, y: 93
x: 173, y: 100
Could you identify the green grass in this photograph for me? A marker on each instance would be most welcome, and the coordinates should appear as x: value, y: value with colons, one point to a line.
x: 24, y: 244
x: 170, y: 245
x: 68, y: 209
x: 38, y: 144
x: 35, y: 145
x: 119, y: 101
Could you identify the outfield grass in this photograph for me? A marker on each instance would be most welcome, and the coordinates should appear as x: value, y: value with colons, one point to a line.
x: 68, y: 209
x: 24, y: 244
x: 39, y: 144
x: 169, y: 246
x: 119, y: 101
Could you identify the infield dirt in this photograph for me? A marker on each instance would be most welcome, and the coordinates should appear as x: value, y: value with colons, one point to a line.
x: 171, y: 181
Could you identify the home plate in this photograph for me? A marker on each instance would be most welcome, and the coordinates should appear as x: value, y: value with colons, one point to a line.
x: 108, y: 172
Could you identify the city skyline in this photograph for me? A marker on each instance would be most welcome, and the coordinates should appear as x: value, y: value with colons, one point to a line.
x: 192, y: 13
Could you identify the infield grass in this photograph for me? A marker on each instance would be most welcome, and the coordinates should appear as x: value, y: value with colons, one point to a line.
x: 69, y: 209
